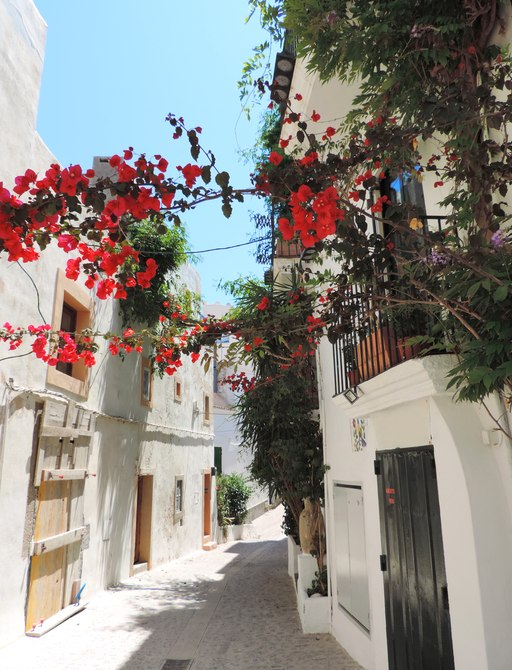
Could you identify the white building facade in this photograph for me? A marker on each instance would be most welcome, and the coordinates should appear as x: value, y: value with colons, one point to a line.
x: 418, y: 498
x: 232, y: 456
x: 102, y: 472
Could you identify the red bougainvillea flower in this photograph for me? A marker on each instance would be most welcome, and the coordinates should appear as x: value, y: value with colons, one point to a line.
x: 275, y: 158
x: 263, y: 304
x: 105, y: 288
x: 144, y: 278
x: 315, y: 116
x: 70, y: 179
x: 308, y: 159
x: 24, y: 182
x: 73, y: 268
x: 286, y: 228
x: 378, y: 205
x: 191, y: 173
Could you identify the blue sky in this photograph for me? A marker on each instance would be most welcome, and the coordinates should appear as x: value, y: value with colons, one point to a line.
x: 115, y: 68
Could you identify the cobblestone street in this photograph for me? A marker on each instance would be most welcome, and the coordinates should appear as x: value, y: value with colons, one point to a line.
x: 229, y: 609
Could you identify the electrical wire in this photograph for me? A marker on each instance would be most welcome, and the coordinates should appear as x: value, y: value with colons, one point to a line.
x: 36, y: 289
x: 233, y: 246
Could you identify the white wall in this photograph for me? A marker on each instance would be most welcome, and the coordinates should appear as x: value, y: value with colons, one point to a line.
x: 407, y: 407
x: 165, y: 440
x: 235, y: 457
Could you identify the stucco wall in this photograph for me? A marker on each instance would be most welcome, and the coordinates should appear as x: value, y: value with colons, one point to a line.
x: 167, y: 439
x: 407, y: 407
x: 235, y: 457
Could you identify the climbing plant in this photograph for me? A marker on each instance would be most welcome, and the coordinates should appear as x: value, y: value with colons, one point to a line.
x: 274, y: 407
x: 167, y: 247
x: 437, y: 84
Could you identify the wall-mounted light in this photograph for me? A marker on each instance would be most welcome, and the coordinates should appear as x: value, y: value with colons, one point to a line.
x: 353, y: 394
x: 282, y: 80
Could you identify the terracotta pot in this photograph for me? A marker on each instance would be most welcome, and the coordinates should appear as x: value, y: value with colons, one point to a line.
x: 408, y: 351
x: 376, y: 353
x: 353, y: 378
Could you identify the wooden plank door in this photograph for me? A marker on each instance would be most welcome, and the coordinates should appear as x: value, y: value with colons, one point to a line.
x: 143, y: 521
x: 61, y: 468
x: 416, y: 591
x: 207, y: 494
x: 48, y: 568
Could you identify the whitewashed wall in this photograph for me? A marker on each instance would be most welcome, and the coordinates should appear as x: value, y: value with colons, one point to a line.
x: 408, y: 406
x: 235, y: 457
x: 168, y: 439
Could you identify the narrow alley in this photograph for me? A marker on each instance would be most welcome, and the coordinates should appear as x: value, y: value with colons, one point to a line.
x: 228, y: 609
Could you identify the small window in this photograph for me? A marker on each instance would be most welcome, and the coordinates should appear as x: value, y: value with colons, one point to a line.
x: 206, y: 414
x: 146, y: 382
x: 68, y: 325
x: 178, y: 498
x: 72, y: 312
x: 178, y: 389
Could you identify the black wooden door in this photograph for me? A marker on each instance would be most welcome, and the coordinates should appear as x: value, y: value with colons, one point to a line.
x: 416, y: 593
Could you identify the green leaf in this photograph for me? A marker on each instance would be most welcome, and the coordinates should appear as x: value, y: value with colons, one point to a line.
x: 500, y: 293
x: 206, y: 363
x: 206, y: 174
x: 227, y: 210
x: 222, y: 179
x: 473, y: 289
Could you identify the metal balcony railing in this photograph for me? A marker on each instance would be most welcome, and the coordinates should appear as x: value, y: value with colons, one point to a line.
x: 289, y: 248
x: 374, y: 342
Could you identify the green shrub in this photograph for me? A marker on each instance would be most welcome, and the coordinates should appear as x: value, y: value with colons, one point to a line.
x: 233, y: 492
x: 168, y: 247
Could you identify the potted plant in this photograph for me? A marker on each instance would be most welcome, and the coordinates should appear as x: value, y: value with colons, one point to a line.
x: 377, y: 351
x: 351, y: 370
x: 312, y: 601
x: 233, y: 493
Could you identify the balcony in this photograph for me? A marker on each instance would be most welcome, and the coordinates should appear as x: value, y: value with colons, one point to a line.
x: 289, y: 248
x: 376, y: 339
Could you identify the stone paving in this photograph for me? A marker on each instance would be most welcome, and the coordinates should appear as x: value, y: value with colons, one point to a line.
x: 228, y: 609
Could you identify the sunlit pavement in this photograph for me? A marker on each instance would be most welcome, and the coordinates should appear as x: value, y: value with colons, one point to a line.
x: 228, y: 609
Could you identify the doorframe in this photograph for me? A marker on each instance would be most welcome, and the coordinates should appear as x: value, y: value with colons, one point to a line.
x: 149, y: 510
x: 207, y: 505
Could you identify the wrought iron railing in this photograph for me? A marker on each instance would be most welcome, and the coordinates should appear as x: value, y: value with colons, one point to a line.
x: 289, y: 248
x: 376, y: 339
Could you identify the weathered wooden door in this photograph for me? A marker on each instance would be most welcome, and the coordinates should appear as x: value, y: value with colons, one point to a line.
x: 61, y: 468
x: 207, y: 521
x: 143, y: 519
x: 416, y: 592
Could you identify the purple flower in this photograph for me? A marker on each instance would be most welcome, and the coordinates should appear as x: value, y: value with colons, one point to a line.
x: 437, y: 258
x: 498, y: 239
x: 332, y: 18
